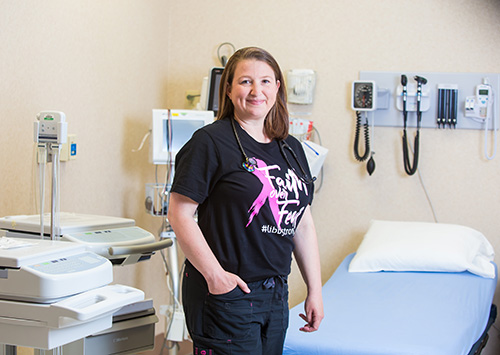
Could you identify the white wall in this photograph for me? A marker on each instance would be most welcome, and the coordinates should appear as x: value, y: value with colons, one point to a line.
x: 103, y: 63
x: 106, y: 64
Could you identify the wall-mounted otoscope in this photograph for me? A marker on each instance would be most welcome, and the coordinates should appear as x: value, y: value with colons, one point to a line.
x: 411, y: 168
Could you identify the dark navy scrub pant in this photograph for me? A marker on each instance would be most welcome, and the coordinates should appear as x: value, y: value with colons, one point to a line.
x: 236, y: 322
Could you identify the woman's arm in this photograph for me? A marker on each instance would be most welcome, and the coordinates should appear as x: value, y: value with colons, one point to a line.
x: 307, y: 257
x: 181, y: 213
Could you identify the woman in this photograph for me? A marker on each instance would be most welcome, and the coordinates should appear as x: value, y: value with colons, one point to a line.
x: 250, y: 183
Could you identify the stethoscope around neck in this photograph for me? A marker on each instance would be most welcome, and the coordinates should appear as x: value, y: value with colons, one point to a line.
x: 250, y: 164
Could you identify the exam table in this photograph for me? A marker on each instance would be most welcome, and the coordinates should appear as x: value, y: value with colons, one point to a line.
x: 379, y: 302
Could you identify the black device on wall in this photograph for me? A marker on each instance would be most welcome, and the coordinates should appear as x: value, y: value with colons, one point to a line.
x: 213, y: 89
x: 364, y: 98
x: 409, y: 167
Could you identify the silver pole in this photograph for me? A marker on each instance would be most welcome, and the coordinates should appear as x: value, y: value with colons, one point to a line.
x: 54, y: 150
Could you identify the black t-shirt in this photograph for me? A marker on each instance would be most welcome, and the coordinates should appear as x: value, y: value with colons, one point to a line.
x: 248, y: 218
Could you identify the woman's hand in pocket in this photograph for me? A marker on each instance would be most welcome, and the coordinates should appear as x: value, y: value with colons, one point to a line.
x: 226, y: 283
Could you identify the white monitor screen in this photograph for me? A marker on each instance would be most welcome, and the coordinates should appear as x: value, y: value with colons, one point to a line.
x: 183, y: 123
x: 182, y: 130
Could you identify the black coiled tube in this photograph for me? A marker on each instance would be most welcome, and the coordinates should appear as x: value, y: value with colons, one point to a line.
x: 411, y: 168
x: 356, y: 139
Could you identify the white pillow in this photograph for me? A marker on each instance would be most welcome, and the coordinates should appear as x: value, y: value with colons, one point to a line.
x: 419, y: 246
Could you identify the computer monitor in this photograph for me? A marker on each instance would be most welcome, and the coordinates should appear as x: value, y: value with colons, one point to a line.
x: 213, y: 89
x: 172, y: 129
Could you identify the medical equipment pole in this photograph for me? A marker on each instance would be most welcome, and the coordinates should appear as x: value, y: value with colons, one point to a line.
x: 51, y: 129
x: 167, y: 233
x: 42, y: 155
x: 174, y: 265
x: 173, y: 269
x: 54, y: 220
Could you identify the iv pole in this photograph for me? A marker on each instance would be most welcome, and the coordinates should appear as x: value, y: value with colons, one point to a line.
x: 172, y: 260
x: 54, y: 203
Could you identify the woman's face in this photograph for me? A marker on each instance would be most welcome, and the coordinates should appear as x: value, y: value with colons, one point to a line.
x: 253, y: 90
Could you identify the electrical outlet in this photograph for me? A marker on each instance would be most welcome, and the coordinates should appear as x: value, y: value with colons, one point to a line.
x: 68, y: 149
x: 72, y: 146
x: 165, y: 309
